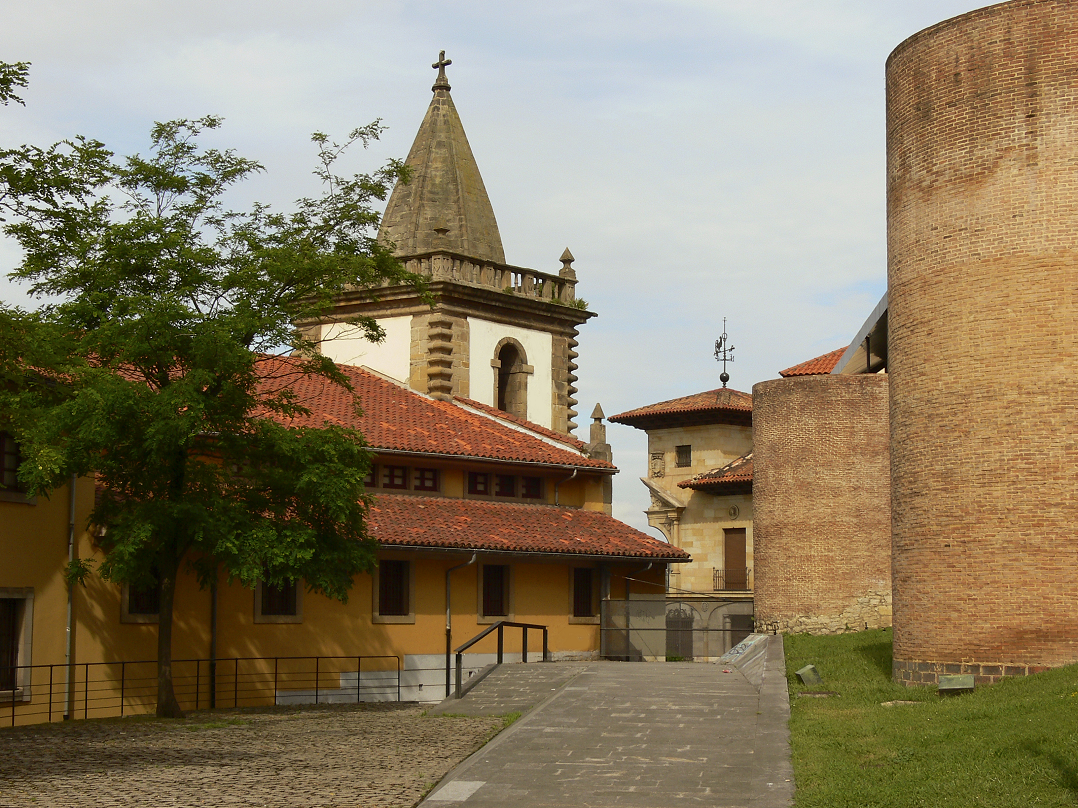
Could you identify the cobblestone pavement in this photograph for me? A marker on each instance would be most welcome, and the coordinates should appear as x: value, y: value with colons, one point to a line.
x: 339, y: 755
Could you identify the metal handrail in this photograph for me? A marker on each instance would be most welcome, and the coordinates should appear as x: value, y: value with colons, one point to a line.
x: 499, y: 627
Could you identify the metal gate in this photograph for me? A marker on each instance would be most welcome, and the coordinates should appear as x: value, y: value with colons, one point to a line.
x: 682, y: 629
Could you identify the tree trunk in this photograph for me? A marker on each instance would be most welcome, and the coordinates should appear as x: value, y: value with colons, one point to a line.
x: 167, y: 705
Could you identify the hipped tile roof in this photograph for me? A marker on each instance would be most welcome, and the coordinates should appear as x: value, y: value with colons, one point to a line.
x: 819, y: 366
x: 712, y: 402
x: 735, y: 473
x: 448, y: 523
x: 395, y: 418
x: 501, y: 415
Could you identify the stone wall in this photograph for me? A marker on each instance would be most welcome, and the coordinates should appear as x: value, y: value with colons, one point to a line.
x: 821, y: 504
x: 983, y: 294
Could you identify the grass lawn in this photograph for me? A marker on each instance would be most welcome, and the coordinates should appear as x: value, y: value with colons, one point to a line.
x: 1010, y: 744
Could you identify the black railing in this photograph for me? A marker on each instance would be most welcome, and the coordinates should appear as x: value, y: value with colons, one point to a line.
x: 499, y: 627
x: 730, y: 580
x: 110, y: 689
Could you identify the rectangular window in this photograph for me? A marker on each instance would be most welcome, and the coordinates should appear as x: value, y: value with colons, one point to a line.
x: 279, y: 604
x: 16, y: 629
x: 478, y: 483
x: 395, y: 477
x: 531, y: 487
x: 682, y: 456
x: 144, y: 601
x: 583, y: 592
x: 9, y: 642
x: 495, y: 590
x: 280, y: 601
x: 393, y: 581
x: 426, y: 480
x: 141, y: 604
x: 371, y: 480
x: 505, y: 485
x: 10, y: 458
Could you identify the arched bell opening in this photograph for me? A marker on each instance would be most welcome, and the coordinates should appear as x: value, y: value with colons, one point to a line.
x: 511, y: 371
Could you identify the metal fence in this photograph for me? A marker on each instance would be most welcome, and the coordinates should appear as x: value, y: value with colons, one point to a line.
x: 656, y: 629
x: 115, y: 689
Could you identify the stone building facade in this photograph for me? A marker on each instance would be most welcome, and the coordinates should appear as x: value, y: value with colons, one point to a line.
x: 821, y: 493
x: 982, y: 212
x: 502, y: 335
x: 700, y: 482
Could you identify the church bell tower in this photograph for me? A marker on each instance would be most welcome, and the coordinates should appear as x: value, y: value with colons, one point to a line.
x: 501, y: 335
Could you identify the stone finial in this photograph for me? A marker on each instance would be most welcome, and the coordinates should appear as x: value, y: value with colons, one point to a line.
x: 441, y: 83
x: 567, y: 270
x: 597, y: 446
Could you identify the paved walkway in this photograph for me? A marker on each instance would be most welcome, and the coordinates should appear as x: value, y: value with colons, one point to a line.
x: 640, y: 735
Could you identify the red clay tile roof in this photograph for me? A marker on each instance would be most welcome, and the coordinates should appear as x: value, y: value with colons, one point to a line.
x: 735, y: 473
x: 569, y: 440
x: 398, y: 419
x: 468, y: 524
x: 713, y: 405
x: 819, y: 366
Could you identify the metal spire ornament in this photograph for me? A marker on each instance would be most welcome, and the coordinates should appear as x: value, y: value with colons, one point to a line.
x: 724, y: 352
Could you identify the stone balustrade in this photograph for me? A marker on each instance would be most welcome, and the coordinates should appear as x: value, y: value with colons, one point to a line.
x: 530, y: 283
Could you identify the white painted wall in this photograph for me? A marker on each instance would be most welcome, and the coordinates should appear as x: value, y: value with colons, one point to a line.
x: 344, y: 343
x: 483, y: 337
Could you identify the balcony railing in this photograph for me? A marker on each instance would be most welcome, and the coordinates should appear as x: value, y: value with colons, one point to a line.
x: 730, y: 580
x: 520, y: 281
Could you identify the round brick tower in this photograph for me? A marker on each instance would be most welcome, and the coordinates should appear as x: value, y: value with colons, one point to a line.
x: 821, y: 504
x: 982, y: 211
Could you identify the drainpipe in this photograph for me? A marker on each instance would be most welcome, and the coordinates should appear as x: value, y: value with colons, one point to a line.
x: 559, y: 482
x: 449, y: 622
x: 70, y: 595
x: 213, y: 639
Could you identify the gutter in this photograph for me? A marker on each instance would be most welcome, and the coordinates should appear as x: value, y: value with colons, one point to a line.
x: 475, y: 458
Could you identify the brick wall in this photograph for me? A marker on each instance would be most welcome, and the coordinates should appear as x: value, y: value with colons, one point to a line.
x: 982, y: 175
x: 821, y: 503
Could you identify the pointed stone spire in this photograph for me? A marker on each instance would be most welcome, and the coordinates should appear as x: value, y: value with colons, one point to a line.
x: 445, y: 205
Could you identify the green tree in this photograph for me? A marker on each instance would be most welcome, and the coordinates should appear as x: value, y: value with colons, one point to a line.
x: 158, y: 365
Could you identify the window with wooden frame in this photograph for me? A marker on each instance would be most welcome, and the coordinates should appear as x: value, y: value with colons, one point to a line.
x: 394, y: 588
x: 425, y: 480
x: 584, y: 595
x: 16, y: 630
x: 279, y: 603
x: 495, y: 591
x: 478, y: 483
x: 531, y: 487
x: 505, y: 485
x: 371, y: 480
x: 141, y: 603
x: 394, y: 477
x: 682, y: 456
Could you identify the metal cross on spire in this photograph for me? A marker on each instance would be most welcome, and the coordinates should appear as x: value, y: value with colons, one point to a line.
x: 724, y: 352
x: 440, y: 66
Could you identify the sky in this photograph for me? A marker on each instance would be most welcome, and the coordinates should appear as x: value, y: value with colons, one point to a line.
x: 702, y: 159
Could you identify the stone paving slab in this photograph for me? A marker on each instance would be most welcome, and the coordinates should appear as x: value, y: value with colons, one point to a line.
x: 639, y: 735
x: 340, y: 755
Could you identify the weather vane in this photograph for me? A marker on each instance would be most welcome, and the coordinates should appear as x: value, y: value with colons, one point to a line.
x: 724, y: 352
